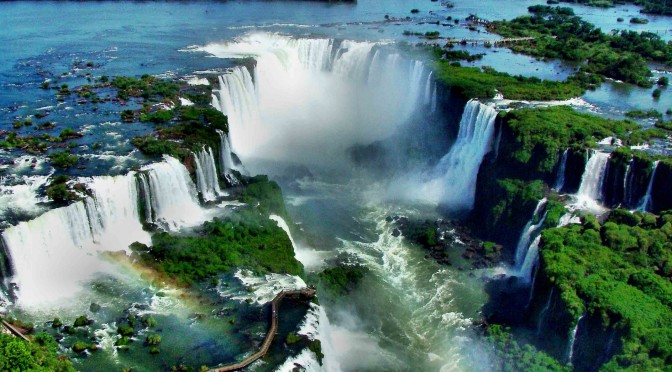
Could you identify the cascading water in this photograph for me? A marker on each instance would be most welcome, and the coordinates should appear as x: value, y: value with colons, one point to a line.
x: 454, y: 177
x: 572, y: 339
x: 531, y: 259
x: 542, y: 314
x: 173, y: 195
x: 560, y: 179
x: 528, y: 230
x: 206, y: 175
x: 144, y: 184
x: 306, y: 99
x: 53, y: 253
x: 627, y: 182
x: 226, y: 160
x: 590, y: 191
x: 645, y: 204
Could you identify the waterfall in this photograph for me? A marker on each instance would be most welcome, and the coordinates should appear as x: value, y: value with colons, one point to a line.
x: 590, y: 191
x: 572, y: 340
x: 226, y: 160
x: 55, y: 252
x: 206, y: 175
x: 645, y: 204
x: 531, y: 259
x: 237, y: 97
x: 428, y: 89
x: 528, y: 230
x: 542, y: 314
x: 144, y: 183
x: 457, y: 171
x: 627, y: 183
x: 173, y: 195
x: 498, y: 141
x: 560, y: 179
x: 305, y: 99
x: 434, y: 99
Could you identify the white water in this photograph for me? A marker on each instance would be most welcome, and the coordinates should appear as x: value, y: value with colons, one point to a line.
x: 590, y: 191
x: 543, y: 312
x: 226, y: 160
x: 627, y: 180
x: 423, y: 296
x: 572, y: 339
x: 306, y: 99
x: 265, y: 288
x: 144, y: 183
x: 452, y: 182
x: 526, y: 235
x: 53, y: 254
x: 21, y: 198
x: 645, y: 204
x: 173, y: 195
x: 531, y: 258
x: 560, y: 179
x: 206, y: 175
x: 311, y: 259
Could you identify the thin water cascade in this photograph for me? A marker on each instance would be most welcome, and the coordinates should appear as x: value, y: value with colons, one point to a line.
x: 645, y: 204
x: 144, y: 185
x: 542, y: 314
x: 454, y: 177
x: 526, y: 236
x: 560, y: 178
x: 206, y: 175
x: 531, y: 259
x: 572, y: 340
x: 627, y: 181
x: 590, y: 191
x: 226, y: 160
x: 498, y: 142
x: 173, y: 195
x: 57, y: 251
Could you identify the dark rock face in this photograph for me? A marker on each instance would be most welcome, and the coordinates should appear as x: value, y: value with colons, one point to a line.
x: 576, y: 164
x: 661, y: 194
x: 446, y: 240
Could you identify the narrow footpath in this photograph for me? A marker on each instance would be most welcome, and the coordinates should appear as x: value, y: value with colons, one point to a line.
x: 272, y: 331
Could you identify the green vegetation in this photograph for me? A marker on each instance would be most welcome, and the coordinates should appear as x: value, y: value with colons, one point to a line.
x: 619, y: 270
x: 639, y: 114
x: 473, y: 82
x: 639, y: 20
x: 197, y: 126
x: 152, y: 340
x: 59, y: 191
x: 513, y: 195
x: 81, y: 321
x: 156, y: 117
x: 513, y: 357
x: 648, y: 6
x: 343, y: 279
x: 541, y: 134
x: 246, y: 239
x: 560, y: 34
x: 40, y: 355
x: 267, y: 194
x: 147, y: 87
x: 63, y: 159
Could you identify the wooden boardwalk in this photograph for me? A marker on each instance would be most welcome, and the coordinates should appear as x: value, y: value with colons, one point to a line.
x: 12, y: 330
x: 306, y: 292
